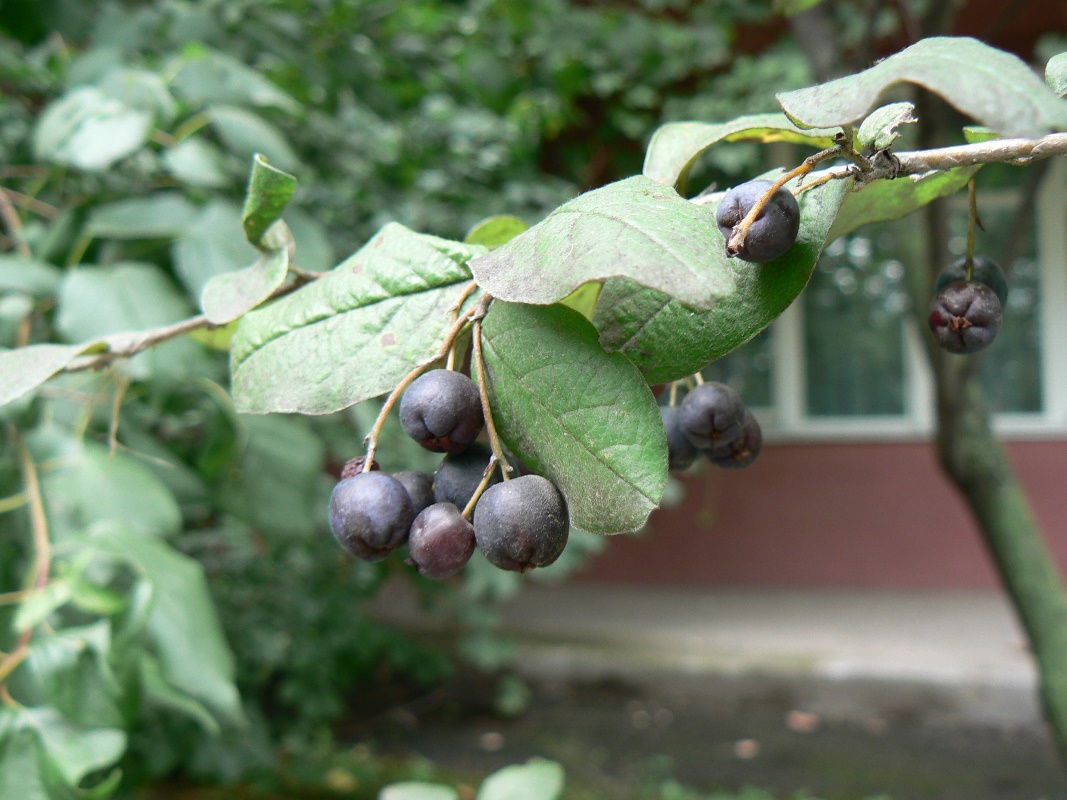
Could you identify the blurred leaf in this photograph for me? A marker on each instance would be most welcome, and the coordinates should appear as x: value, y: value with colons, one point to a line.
x: 20, y: 774
x: 231, y: 295
x: 197, y: 163
x: 575, y: 414
x: 89, y: 130
x: 792, y: 7
x: 994, y: 87
x: 412, y: 790
x: 879, y: 130
x: 269, y: 192
x: 668, y: 340
x: 353, y: 333
x: 40, y: 603
x: 1056, y: 74
x: 314, y: 250
x: 157, y: 691
x: 74, y: 751
x: 182, y: 622
x: 537, y: 779
x: 207, y: 77
x: 635, y: 228
x: 676, y: 146
x: 211, y: 245
x: 495, y: 231
x: 28, y: 275
x: 163, y: 215
x: 26, y: 368
x: 142, y: 90
x: 245, y: 133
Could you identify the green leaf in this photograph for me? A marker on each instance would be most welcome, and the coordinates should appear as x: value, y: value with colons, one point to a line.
x: 20, y: 774
x: 142, y: 90
x: 75, y: 751
x: 1056, y: 74
x: 182, y: 622
x: 122, y: 299
x: 211, y: 245
x: 879, y: 130
x: 41, y: 603
x: 668, y: 340
x: 537, y: 779
x: 28, y: 275
x: 994, y: 87
x: 245, y: 133
x: 197, y: 163
x: 881, y: 201
x: 89, y: 130
x: 269, y: 192
x: 208, y: 76
x: 26, y: 368
x: 163, y: 215
x: 495, y: 231
x: 159, y: 692
x: 229, y: 296
x: 635, y: 228
x: 353, y: 333
x: 418, y: 790
x: 583, y: 418
x: 676, y: 146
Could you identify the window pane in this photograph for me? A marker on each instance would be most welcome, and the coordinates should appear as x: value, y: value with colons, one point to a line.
x: 854, y: 311
x: 747, y: 369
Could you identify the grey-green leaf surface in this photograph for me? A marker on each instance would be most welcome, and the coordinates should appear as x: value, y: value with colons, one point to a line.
x: 163, y: 215
x: 28, y: 275
x: 269, y: 192
x: 635, y: 228
x: 537, y: 779
x: 879, y: 130
x: 1056, y: 74
x: 208, y: 76
x: 991, y: 86
x: 196, y: 162
x: 353, y: 333
x: 584, y: 418
x: 881, y: 201
x: 246, y: 133
x: 668, y: 339
x: 211, y: 245
x: 417, y: 790
x: 227, y: 297
x: 676, y: 146
x: 185, y: 631
x: 74, y: 751
x: 90, y: 130
x: 25, y: 368
x: 492, y: 232
x: 20, y: 773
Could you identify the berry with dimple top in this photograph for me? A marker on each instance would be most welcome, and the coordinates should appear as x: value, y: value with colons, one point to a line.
x: 458, y: 475
x: 742, y: 451
x: 681, y: 453
x: 419, y: 486
x: 965, y: 317
x: 983, y: 270
x: 711, y: 415
x: 773, y: 231
x: 442, y: 411
x: 370, y: 514
x: 522, y: 523
x: 441, y: 541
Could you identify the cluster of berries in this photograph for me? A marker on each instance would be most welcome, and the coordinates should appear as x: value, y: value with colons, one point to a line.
x: 968, y: 307
x: 518, y: 524
x: 711, y: 420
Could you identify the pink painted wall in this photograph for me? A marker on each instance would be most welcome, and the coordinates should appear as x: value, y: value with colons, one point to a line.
x: 831, y: 515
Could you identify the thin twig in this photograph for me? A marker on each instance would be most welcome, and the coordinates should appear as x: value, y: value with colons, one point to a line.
x: 13, y: 225
x: 116, y: 409
x: 487, y: 412
x: 30, y: 203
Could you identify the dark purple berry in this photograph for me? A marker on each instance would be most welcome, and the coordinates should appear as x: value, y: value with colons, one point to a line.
x: 711, y: 415
x: 774, y: 230
x: 442, y: 411
x: 681, y: 453
x: 983, y: 270
x: 370, y: 514
x: 458, y: 475
x: 419, y: 486
x: 354, y: 466
x: 743, y: 450
x: 965, y: 317
x: 522, y: 523
x: 441, y: 541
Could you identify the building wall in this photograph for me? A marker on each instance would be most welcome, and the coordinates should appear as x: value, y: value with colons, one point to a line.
x: 869, y: 515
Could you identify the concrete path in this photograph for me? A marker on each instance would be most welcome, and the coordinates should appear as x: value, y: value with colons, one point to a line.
x: 864, y: 656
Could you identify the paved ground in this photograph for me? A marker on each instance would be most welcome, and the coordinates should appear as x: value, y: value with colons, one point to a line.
x: 940, y: 657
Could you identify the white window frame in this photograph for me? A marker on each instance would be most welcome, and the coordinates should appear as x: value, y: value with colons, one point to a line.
x: 787, y: 419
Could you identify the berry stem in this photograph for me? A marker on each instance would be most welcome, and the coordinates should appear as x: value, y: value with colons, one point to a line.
x: 475, y: 312
x: 973, y: 221
x: 673, y: 399
x: 698, y: 378
x: 487, y: 476
x: 490, y: 425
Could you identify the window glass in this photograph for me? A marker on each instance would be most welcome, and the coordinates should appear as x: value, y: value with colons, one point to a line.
x: 854, y: 312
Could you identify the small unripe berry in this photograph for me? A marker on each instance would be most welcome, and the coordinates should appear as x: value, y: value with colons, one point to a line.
x: 773, y: 231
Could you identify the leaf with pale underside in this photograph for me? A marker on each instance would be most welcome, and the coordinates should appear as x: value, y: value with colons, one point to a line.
x: 353, y: 333
x: 635, y: 228
x: 993, y: 87
x: 584, y: 418
x: 1056, y: 74
x: 26, y: 368
x: 676, y: 146
x: 668, y: 339
x: 233, y: 294
x: 879, y: 130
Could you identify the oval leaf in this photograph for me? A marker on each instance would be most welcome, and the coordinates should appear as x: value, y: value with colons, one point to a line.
x: 495, y: 231
x: 26, y: 368
x: 162, y: 215
x: 676, y: 146
x: 417, y: 790
x: 996, y: 88
x: 537, y: 779
x: 90, y: 130
x: 635, y: 228
x: 1056, y: 74
x: 231, y: 295
x: 582, y: 417
x: 879, y: 130
x: 668, y: 340
x: 269, y: 192
x: 355, y: 332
